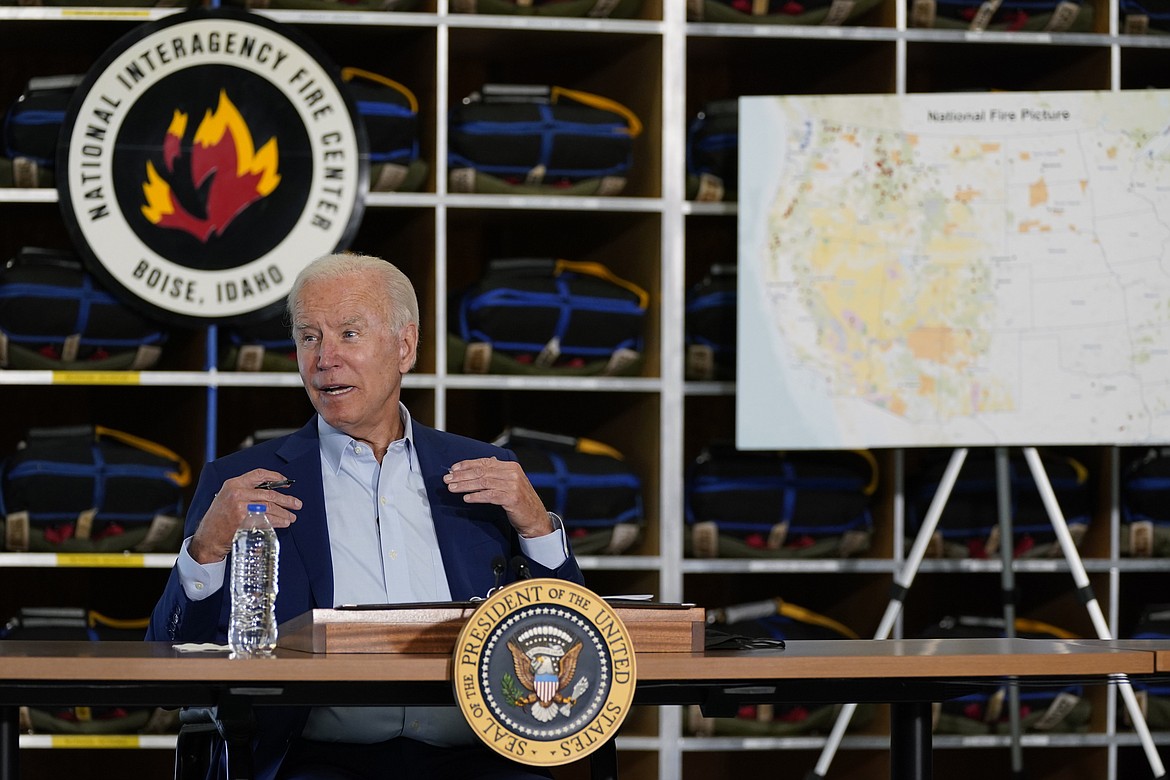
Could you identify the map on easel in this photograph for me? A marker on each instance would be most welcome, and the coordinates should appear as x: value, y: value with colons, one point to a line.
x: 954, y: 269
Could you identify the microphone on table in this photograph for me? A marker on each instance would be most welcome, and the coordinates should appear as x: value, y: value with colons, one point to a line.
x: 520, y: 567
x: 498, y: 569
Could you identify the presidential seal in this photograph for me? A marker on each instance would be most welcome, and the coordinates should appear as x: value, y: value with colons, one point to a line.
x: 544, y: 672
x: 204, y: 160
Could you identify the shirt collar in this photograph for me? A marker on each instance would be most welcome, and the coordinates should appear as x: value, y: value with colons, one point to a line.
x: 335, y: 442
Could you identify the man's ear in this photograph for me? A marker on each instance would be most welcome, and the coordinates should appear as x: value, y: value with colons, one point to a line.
x: 407, y: 347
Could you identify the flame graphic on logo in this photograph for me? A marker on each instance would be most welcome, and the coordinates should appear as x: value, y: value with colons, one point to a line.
x: 225, y: 168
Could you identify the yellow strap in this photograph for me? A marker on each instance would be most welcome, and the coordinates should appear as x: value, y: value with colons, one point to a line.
x: 594, y: 447
x: 600, y: 271
x: 1040, y: 627
x: 1079, y: 468
x: 96, y: 618
x: 871, y: 488
x: 182, y: 477
x: 813, y: 618
x: 348, y: 74
x: 597, y: 101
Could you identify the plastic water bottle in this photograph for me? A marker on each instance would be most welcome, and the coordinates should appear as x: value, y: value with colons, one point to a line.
x: 255, y: 555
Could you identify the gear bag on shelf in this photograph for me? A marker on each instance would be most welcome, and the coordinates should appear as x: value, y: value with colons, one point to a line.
x: 748, y: 504
x: 969, y: 524
x: 1153, y: 695
x: 803, y: 12
x: 597, y: 9
x: 545, y: 316
x: 1145, y: 504
x: 92, y: 489
x: 758, y: 624
x: 1044, y: 709
x: 32, y: 126
x: 522, y: 139
x: 587, y: 483
x: 259, y: 346
x: 713, y: 152
x: 1145, y: 17
x: 326, y: 5
x: 710, y: 325
x: 55, y: 315
x: 389, y: 111
x: 78, y: 624
x: 1002, y: 15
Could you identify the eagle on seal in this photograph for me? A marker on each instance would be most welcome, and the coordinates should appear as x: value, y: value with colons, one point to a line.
x: 545, y: 670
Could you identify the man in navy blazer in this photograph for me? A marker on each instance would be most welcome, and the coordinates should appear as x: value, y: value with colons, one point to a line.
x: 361, y: 470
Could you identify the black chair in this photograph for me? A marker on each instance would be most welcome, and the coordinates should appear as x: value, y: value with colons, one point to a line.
x: 206, y: 732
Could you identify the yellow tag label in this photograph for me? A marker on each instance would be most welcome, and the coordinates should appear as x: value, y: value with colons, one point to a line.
x: 95, y: 741
x: 96, y: 378
x: 101, y: 560
x: 91, y: 13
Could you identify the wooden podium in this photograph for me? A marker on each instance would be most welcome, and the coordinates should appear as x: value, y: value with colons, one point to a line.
x: 434, y: 628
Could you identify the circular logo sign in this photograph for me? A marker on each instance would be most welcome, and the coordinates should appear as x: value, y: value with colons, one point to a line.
x: 205, y: 160
x: 544, y: 672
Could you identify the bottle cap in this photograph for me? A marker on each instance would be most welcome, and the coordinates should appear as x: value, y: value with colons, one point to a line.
x: 257, y: 507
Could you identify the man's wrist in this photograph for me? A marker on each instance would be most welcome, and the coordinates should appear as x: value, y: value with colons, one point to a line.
x: 202, y: 555
x: 554, y: 523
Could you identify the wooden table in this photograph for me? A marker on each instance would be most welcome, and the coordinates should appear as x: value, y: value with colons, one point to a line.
x: 909, y: 674
x: 1159, y: 647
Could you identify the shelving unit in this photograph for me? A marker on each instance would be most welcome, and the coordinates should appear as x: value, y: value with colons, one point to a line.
x: 664, y: 68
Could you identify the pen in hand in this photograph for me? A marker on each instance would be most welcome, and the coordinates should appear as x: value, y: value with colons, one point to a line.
x: 281, y: 483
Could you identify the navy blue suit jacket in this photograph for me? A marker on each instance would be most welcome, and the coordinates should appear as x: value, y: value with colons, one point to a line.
x: 471, y: 537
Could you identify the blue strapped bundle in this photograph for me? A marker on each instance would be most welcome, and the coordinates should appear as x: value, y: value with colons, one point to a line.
x: 55, y: 315
x: 587, y: 483
x: 779, y: 504
x: 554, y: 314
x: 91, y: 488
x: 32, y: 123
x: 969, y: 524
x: 541, y: 136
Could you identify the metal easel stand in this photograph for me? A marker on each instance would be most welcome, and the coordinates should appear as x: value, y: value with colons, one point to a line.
x: 1003, y: 494
x: 905, y: 578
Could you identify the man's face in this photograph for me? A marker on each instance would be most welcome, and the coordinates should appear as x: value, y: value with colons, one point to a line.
x: 349, y: 360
